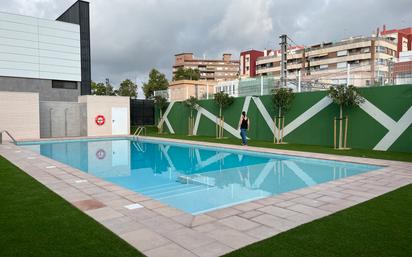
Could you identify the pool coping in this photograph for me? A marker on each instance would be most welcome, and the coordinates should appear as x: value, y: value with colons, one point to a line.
x: 160, y: 230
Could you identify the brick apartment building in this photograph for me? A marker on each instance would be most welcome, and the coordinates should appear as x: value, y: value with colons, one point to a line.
x: 371, y: 59
x: 368, y: 57
x: 216, y: 70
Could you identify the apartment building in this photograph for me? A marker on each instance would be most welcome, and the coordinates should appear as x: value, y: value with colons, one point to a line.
x: 247, y: 62
x: 216, y: 70
x: 401, y: 37
x: 369, y: 60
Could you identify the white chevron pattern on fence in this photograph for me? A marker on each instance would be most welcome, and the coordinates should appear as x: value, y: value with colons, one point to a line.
x: 395, y: 129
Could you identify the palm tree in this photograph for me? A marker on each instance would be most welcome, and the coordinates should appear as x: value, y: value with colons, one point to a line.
x: 345, y: 96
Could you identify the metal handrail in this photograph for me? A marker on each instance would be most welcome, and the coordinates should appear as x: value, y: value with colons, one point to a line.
x: 8, y: 133
x: 139, y: 130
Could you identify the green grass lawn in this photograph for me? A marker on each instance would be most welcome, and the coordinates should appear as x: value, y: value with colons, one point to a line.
x: 397, y: 156
x: 379, y: 227
x: 34, y: 221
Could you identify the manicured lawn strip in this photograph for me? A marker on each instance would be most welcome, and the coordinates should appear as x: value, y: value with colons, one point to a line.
x: 379, y: 227
x: 34, y: 221
x: 396, y: 156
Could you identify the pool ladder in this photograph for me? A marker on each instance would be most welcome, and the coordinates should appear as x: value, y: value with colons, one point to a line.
x: 8, y: 133
x: 140, y: 130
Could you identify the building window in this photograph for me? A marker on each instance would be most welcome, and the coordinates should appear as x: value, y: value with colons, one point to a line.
x: 323, y: 67
x: 64, y: 84
x: 342, y: 53
x: 341, y: 65
x: 381, y: 49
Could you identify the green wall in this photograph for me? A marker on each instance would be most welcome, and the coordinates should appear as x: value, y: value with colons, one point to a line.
x: 364, y: 131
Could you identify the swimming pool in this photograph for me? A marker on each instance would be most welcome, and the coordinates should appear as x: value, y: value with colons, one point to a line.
x: 195, y: 179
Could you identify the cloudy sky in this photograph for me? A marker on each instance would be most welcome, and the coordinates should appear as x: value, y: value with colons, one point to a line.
x: 129, y: 37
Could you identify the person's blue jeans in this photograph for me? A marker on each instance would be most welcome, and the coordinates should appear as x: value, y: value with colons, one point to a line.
x: 243, y: 135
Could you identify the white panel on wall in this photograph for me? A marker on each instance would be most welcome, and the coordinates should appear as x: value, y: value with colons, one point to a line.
x: 19, y: 58
x: 18, y: 50
x: 18, y: 18
x: 59, y: 41
x: 58, y: 76
x: 60, y: 55
x: 39, y: 48
x: 18, y: 35
x: 59, y: 25
x: 59, y: 33
x: 19, y: 65
x: 18, y: 42
x: 59, y: 48
x: 62, y: 62
x: 57, y: 68
x: 20, y: 73
x: 32, y: 28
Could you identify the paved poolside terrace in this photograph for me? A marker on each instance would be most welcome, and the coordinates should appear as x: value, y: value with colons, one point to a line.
x: 156, y: 229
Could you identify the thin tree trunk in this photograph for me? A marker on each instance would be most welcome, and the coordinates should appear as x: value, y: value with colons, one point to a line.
x: 340, y: 126
x: 280, y: 113
x: 161, y: 122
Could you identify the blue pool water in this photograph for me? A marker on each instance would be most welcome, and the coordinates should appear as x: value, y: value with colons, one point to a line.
x: 191, y: 178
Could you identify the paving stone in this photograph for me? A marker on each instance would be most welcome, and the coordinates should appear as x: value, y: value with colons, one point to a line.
x: 262, y: 232
x: 238, y: 223
x: 311, y: 211
x: 250, y: 214
x: 170, y: 250
x: 144, y: 239
x: 168, y: 211
x: 161, y: 224
x: 104, y: 213
x: 189, y: 238
x: 212, y: 250
x: 201, y: 219
x: 86, y: 205
x: 277, y: 211
x: 308, y: 201
x: 184, y: 219
x: 247, y: 206
x: 223, y: 213
x: 284, y: 204
x: 275, y: 222
x: 152, y: 204
x: 122, y: 225
x: 231, y: 237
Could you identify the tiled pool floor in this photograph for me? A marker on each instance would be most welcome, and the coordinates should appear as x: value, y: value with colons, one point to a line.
x: 159, y: 230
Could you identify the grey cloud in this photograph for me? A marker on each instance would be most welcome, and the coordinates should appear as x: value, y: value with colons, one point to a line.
x: 129, y: 37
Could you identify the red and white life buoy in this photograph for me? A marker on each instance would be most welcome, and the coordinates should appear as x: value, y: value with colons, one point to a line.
x: 100, y: 120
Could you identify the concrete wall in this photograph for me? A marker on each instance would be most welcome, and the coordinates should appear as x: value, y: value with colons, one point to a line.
x: 42, y: 86
x: 102, y: 105
x: 19, y: 114
x: 60, y: 119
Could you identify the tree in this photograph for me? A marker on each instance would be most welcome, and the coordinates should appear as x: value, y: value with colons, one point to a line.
x: 282, y: 99
x: 161, y: 104
x: 102, y: 89
x: 348, y: 96
x: 223, y: 100
x: 127, y: 88
x: 157, y: 81
x: 189, y: 73
x: 192, y: 104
